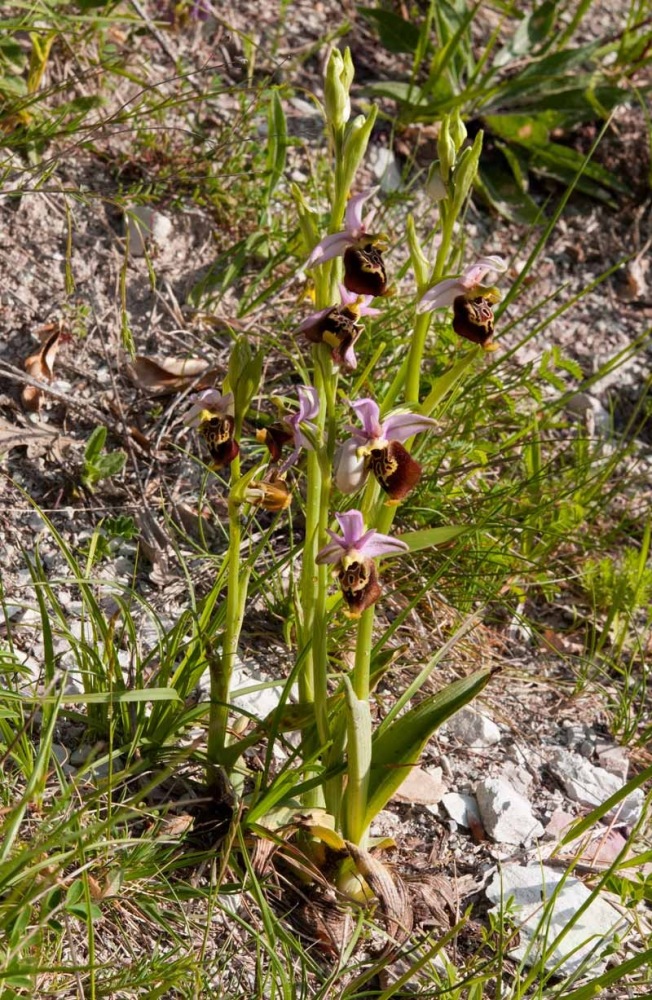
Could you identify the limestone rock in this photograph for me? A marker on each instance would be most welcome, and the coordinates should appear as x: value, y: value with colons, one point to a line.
x: 529, y: 886
x: 506, y: 815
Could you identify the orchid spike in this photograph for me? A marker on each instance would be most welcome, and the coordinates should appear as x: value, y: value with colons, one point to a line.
x: 353, y: 553
x: 377, y: 447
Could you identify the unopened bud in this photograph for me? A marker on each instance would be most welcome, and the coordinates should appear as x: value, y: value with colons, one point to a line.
x: 465, y: 173
x: 339, y: 76
x: 446, y: 149
x: 458, y: 131
x: 355, y: 145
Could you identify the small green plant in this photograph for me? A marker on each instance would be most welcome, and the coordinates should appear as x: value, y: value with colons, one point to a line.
x: 99, y: 465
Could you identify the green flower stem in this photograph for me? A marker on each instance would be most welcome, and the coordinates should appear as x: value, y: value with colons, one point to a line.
x: 221, y: 669
x: 417, y: 347
x: 415, y: 358
x: 363, y: 644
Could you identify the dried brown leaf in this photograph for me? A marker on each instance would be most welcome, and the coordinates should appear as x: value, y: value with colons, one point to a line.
x: 163, y: 376
x: 41, y: 366
x: 39, y: 439
x: 393, y: 898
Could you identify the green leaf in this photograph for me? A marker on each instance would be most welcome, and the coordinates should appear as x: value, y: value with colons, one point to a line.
x: 427, y: 537
x: 106, y: 697
x: 395, y: 90
x: 277, y: 141
x: 563, y: 162
x: 110, y: 464
x: 94, y: 445
x: 532, y: 30
x: 441, y: 386
x: 396, y: 34
x: 527, y: 129
x: 502, y: 192
x: 398, y: 747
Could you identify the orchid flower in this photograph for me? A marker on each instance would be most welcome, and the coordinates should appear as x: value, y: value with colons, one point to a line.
x: 376, y: 447
x: 473, y: 318
x: 364, y: 268
x: 206, y: 404
x: 289, y: 429
x: 337, y: 326
x: 354, y: 552
x: 213, y: 414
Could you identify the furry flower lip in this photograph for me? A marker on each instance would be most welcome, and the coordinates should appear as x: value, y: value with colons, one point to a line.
x: 364, y: 267
x: 337, y: 326
x: 473, y: 317
x: 289, y: 429
x: 377, y: 447
x: 212, y: 413
x: 353, y: 553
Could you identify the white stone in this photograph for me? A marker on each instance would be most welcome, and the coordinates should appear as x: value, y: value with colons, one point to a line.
x: 613, y: 759
x: 591, y: 786
x: 506, y: 815
x: 463, y: 809
x: 473, y: 728
x: 529, y: 887
x: 143, y: 224
x: 422, y: 787
x: 260, y: 702
x: 385, y: 168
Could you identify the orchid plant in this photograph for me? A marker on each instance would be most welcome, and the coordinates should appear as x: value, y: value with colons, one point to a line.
x: 351, y: 772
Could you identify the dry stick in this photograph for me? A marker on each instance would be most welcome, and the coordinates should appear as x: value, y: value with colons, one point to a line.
x: 11, y: 372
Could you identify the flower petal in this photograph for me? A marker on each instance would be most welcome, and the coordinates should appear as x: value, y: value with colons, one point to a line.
x: 382, y: 545
x: 331, y: 553
x: 313, y: 319
x: 441, y: 295
x: 208, y: 399
x: 401, y: 426
x: 350, y: 472
x: 475, y: 273
x: 331, y: 246
x: 366, y: 310
x: 308, y: 402
x: 353, y: 216
x: 368, y: 413
x: 349, y: 358
x: 352, y: 526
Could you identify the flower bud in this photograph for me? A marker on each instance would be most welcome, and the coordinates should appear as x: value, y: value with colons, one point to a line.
x: 458, y: 131
x: 339, y: 76
x: 446, y: 149
x: 465, y: 172
x: 355, y: 145
x: 418, y: 259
